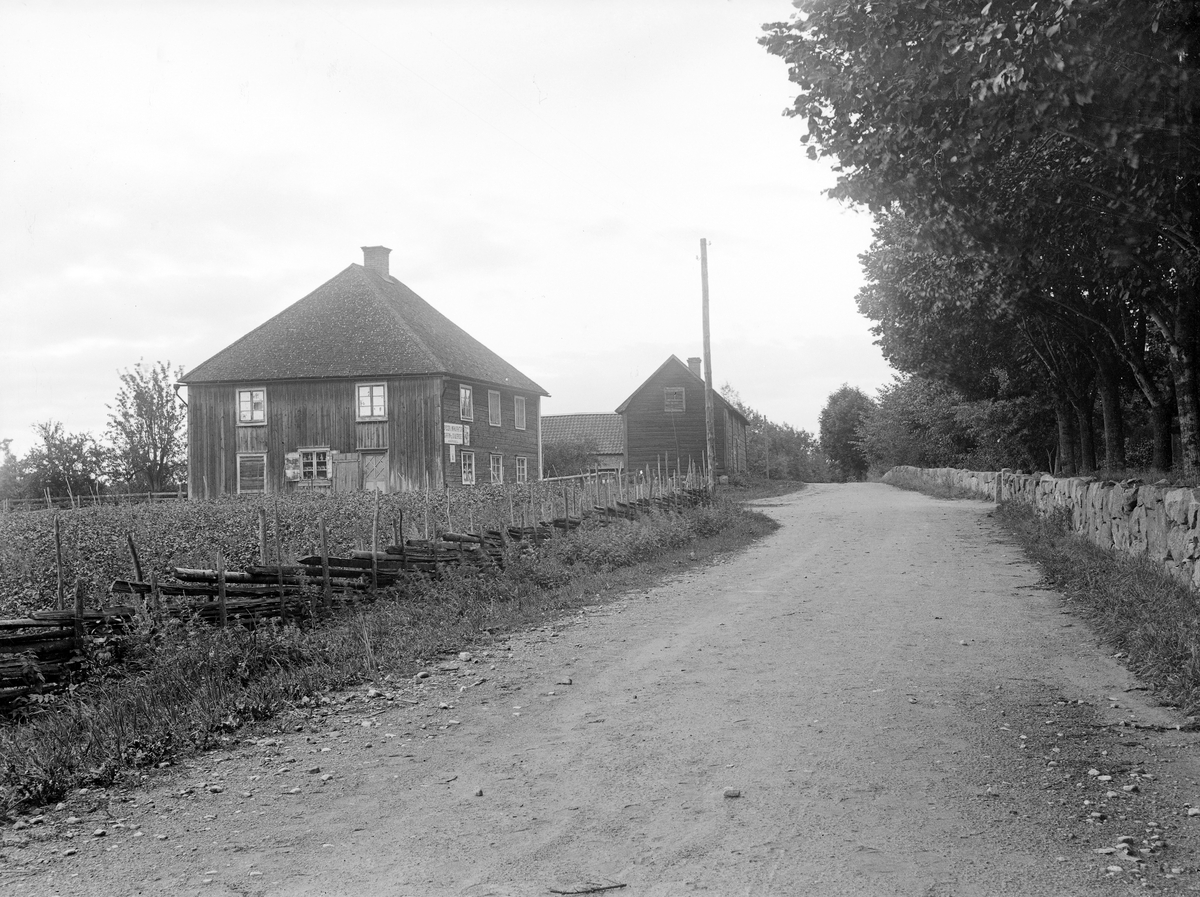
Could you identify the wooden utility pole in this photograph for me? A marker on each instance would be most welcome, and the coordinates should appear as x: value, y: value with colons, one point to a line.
x: 709, y: 437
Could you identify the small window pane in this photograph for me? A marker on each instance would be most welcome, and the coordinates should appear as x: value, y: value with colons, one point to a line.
x: 468, y: 468
x: 522, y: 470
x: 497, y: 468
x: 466, y: 408
x: 519, y: 412
x: 252, y: 406
x: 493, y: 408
x: 372, y: 401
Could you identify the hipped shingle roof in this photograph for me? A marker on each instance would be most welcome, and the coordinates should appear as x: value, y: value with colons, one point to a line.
x: 359, y: 324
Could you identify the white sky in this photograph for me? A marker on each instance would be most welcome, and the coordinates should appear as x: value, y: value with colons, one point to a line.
x: 173, y: 174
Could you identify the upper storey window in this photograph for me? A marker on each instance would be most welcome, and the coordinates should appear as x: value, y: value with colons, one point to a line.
x: 674, y: 398
x: 252, y: 406
x: 372, y: 401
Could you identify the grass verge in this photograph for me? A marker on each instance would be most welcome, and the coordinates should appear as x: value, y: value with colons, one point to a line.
x: 1136, y: 607
x: 179, y: 688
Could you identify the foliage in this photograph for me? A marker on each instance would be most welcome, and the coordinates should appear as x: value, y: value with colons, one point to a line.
x: 569, y: 457
x: 147, y: 429
x: 1045, y: 157
x: 778, y: 451
x: 844, y: 413
x: 65, y: 463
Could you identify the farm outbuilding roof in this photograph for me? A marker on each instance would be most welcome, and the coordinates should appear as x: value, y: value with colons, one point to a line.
x: 361, y: 323
x: 606, y: 432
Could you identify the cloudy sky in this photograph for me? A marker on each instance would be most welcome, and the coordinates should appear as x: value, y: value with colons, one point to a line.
x: 172, y: 174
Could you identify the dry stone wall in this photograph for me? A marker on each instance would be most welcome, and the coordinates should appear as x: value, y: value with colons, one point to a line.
x: 1159, y: 521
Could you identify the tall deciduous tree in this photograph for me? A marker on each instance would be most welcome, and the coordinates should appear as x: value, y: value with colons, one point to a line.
x: 843, y: 415
x: 147, y: 428
x: 65, y: 463
x: 971, y: 115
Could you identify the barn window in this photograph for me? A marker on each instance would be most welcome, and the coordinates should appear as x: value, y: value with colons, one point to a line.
x: 519, y: 412
x: 674, y: 398
x: 314, y: 464
x: 522, y: 469
x: 252, y: 473
x: 497, y: 465
x: 252, y: 406
x: 372, y: 401
x: 466, y: 407
x: 494, y: 407
x: 468, y: 468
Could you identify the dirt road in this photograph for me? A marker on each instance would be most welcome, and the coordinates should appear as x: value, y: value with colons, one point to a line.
x: 881, y: 681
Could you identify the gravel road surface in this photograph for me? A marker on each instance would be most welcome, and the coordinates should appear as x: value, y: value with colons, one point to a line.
x: 878, y: 699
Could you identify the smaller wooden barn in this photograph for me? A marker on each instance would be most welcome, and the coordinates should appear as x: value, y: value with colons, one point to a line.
x: 664, y: 419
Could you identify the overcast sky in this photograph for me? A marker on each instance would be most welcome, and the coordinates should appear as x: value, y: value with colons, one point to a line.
x: 173, y: 174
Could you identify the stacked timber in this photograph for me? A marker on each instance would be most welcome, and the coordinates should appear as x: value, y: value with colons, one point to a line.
x: 39, y: 653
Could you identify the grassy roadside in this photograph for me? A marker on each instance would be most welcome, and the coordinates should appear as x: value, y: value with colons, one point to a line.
x: 1137, y: 608
x: 178, y: 689
x: 904, y: 480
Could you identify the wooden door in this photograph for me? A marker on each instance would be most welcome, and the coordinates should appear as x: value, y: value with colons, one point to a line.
x: 346, y: 473
x: 375, y: 471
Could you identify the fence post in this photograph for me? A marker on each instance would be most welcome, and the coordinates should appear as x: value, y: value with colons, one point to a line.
x: 328, y: 589
x: 58, y: 560
x: 133, y: 553
x: 221, y: 606
x: 375, y: 543
x: 78, y: 619
x: 279, y: 563
x: 262, y: 536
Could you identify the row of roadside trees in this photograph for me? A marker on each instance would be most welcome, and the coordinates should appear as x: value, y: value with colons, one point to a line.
x: 1033, y: 172
x: 143, y: 448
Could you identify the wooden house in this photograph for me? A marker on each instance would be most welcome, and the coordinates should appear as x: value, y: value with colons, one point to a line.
x: 664, y: 421
x: 362, y: 384
x: 602, y: 434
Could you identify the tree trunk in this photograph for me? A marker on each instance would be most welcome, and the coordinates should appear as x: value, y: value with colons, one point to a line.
x: 1160, y: 421
x: 1109, y: 384
x: 1085, y: 414
x: 1066, y: 438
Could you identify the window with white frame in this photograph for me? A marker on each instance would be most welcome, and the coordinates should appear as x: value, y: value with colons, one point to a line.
x: 519, y: 412
x: 314, y: 464
x: 466, y: 403
x: 494, y: 407
x: 522, y: 469
x: 497, y: 468
x: 468, y: 468
x: 674, y: 398
x: 252, y: 473
x: 372, y: 401
x: 252, y: 406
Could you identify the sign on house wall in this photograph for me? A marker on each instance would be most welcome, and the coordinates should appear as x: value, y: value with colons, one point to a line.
x: 457, y: 434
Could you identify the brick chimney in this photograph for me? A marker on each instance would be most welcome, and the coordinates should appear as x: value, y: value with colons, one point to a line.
x: 695, y: 368
x: 375, y: 258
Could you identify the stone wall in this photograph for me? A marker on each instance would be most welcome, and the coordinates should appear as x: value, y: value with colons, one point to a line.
x: 1159, y: 521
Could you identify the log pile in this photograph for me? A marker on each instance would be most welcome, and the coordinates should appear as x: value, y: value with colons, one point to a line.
x: 39, y: 653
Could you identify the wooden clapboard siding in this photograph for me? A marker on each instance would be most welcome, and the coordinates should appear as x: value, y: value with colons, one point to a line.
x: 371, y: 434
x: 304, y: 414
x: 653, y: 434
x: 486, y: 440
x: 415, y: 432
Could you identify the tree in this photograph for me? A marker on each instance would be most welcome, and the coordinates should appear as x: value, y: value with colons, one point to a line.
x: 10, y: 471
x: 840, y: 421
x: 974, y: 117
x: 569, y: 457
x: 65, y: 463
x: 147, y: 427
x: 778, y: 451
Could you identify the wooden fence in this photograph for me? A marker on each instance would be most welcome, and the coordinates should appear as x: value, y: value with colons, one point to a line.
x: 63, y: 502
